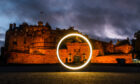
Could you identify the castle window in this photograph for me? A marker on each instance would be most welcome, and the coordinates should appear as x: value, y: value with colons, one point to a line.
x: 26, y: 30
x: 24, y: 41
x: 84, y: 57
x: 70, y: 57
x: 15, y: 43
x: 34, y: 29
x: 79, y: 50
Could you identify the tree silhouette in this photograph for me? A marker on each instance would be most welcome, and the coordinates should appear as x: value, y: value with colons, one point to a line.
x: 137, y: 35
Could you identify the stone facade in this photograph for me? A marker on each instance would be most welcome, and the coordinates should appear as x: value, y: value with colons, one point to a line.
x: 36, y: 44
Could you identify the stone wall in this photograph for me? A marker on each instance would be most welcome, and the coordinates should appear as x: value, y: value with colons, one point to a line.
x: 51, y: 58
x: 36, y: 44
x: 113, y: 58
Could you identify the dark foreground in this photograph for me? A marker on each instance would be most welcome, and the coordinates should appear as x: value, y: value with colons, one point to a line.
x: 57, y: 74
x: 69, y: 78
x: 59, y: 68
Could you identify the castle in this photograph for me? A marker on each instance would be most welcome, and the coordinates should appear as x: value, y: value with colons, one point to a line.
x: 36, y: 44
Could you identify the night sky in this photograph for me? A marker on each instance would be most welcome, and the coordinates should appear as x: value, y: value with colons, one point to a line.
x: 100, y: 19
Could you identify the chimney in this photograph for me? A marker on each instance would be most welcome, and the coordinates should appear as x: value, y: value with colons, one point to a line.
x: 11, y: 26
x: 14, y: 25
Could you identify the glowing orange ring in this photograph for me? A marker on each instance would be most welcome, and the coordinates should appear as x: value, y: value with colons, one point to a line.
x: 81, y: 66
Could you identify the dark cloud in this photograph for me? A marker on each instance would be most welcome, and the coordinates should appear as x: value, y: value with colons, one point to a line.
x: 104, y: 19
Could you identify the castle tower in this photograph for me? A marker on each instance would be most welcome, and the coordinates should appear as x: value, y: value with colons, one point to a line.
x: 40, y: 23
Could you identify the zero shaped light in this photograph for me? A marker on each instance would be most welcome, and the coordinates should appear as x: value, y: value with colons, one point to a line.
x: 78, y: 67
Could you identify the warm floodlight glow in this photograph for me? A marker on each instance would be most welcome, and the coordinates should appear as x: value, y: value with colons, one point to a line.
x: 81, y: 66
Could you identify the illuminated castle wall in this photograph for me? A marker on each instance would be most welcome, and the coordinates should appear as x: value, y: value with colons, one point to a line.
x: 36, y: 44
